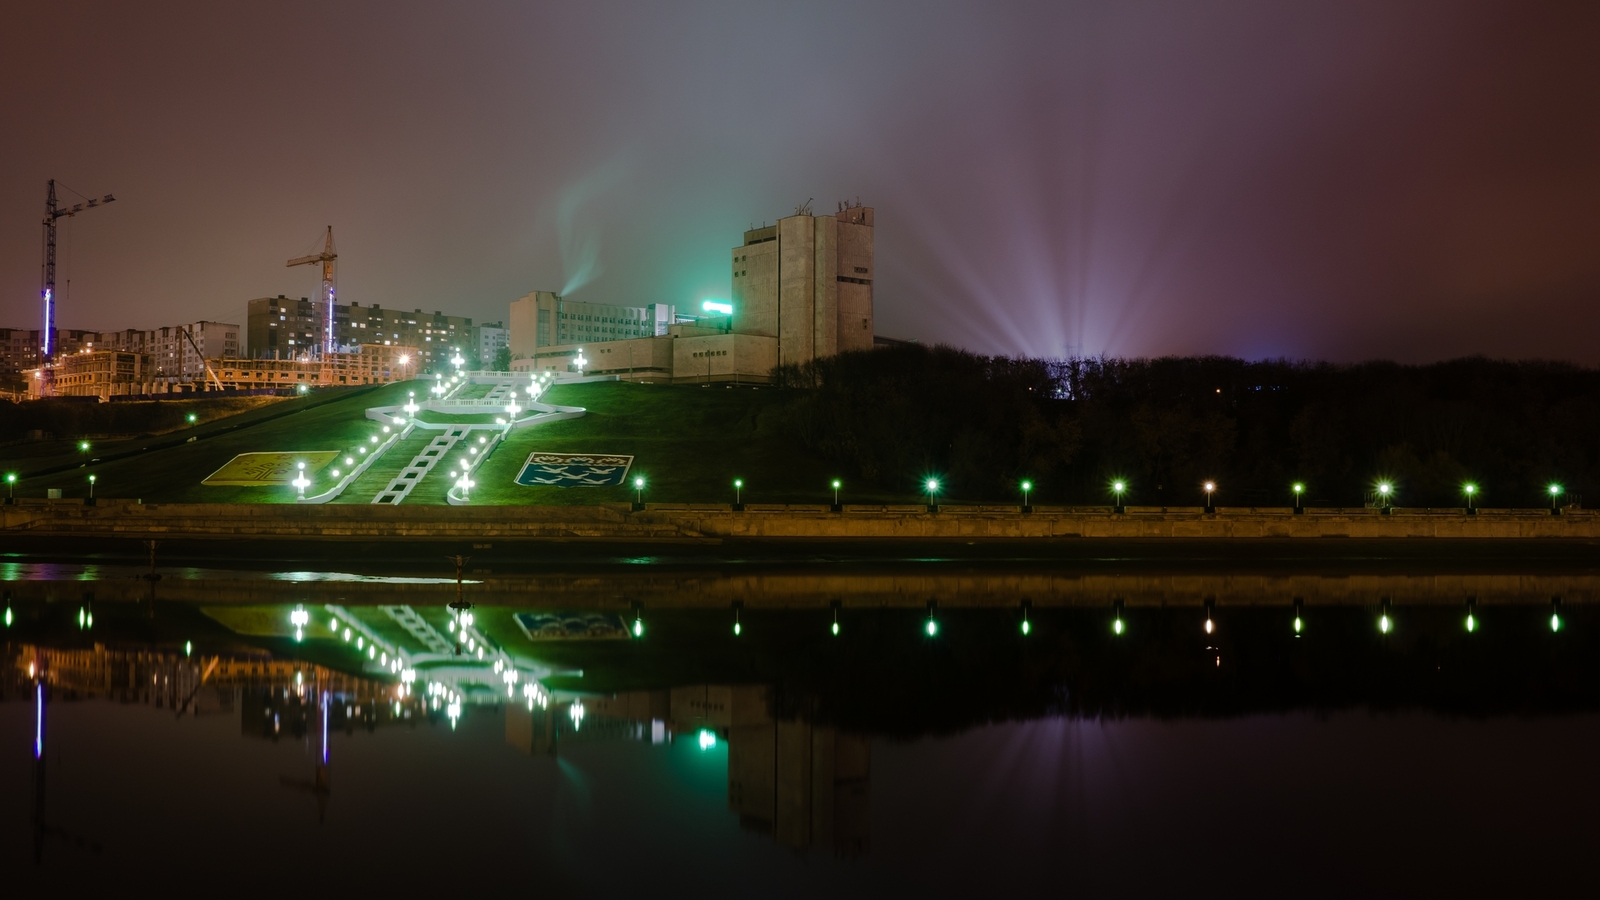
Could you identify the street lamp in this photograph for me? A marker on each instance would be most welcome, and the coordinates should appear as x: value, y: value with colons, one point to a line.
x: 511, y: 407
x: 1298, y: 490
x: 456, y: 360
x: 836, y: 485
x: 11, y: 485
x: 638, y: 493
x: 192, y: 418
x: 83, y: 447
x: 1118, y: 487
x: 738, y: 489
x: 91, y: 487
x: 301, y: 482
x: 932, y: 487
x: 1555, y: 495
x: 1385, y: 489
x: 1471, y: 490
x: 580, y: 362
x: 1027, y: 488
x: 1210, y: 488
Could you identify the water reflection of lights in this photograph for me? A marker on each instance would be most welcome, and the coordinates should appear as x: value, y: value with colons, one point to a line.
x: 708, y: 739
x: 577, y: 712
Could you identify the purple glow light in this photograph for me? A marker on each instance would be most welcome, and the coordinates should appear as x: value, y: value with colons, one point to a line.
x: 38, y: 725
x: 324, y: 727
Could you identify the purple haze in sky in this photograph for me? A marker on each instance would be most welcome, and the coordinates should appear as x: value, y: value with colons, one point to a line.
x: 1341, y: 180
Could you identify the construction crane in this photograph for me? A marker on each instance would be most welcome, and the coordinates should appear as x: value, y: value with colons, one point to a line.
x: 47, y: 337
x: 203, y: 361
x: 326, y: 257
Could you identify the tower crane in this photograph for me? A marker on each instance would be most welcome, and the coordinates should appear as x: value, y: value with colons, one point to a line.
x: 47, y: 337
x: 326, y: 257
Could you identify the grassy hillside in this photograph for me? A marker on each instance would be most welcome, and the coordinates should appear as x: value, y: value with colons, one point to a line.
x: 689, y: 443
x: 328, y: 420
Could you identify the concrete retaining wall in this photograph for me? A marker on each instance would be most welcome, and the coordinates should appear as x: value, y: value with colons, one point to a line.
x: 615, y: 522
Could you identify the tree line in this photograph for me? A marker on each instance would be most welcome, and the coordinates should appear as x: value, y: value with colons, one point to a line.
x: 983, y: 424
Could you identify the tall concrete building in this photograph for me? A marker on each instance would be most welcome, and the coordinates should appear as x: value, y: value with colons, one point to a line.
x: 807, y: 281
x: 282, y: 328
x: 801, y: 290
x: 489, y: 339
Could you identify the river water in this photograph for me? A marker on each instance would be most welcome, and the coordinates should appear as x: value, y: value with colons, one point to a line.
x: 1216, y: 732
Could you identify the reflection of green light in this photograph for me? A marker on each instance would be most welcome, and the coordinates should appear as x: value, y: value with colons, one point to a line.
x: 1472, y: 623
x: 836, y: 628
x: 1299, y: 624
x: 708, y: 739
x: 1555, y: 622
x: 1026, y: 626
x: 1116, y: 627
x: 638, y: 627
x: 8, y: 617
x: 1384, y: 624
x: 737, y: 629
x: 932, y: 627
x: 188, y: 648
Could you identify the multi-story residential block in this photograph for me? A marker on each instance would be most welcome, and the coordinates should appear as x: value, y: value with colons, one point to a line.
x: 283, y: 328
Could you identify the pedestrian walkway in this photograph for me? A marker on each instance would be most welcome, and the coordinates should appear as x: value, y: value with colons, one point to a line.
x: 420, y: 466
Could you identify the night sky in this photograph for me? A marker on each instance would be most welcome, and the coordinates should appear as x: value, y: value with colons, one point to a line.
x: 1342, y: 180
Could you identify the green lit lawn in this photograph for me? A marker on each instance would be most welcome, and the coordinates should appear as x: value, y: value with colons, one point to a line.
x: 688, y: 442
x: 173, y: 475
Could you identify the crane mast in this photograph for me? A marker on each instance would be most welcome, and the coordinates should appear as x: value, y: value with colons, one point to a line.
x: 326, y: 257
x: 47, y: 336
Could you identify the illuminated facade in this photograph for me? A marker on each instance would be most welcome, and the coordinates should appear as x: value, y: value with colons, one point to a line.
x: 283, y: 328
x: 372, y: 364
x: 801, y: 290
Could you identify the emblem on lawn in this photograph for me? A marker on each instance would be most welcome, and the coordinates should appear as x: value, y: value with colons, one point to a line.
x: 574, y: 470
x: 266, y: 469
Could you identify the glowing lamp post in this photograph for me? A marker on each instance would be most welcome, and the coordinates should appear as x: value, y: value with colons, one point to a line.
x: 1027, y: 488
x: 1299, y: 489
x: 83, y: 447
x: 512, y: 408
x: 301, y: 482
x: 465, y: 483
x: 11, y: 485
x: 1210, y: 488
x: 192, y: 418
x: 1118, y: 488
x: 580, y: 362
x: 411, y: 406
x: 92, y: 480
x: 1385, y: 493
x: 456, y: 360
x: 1471, y: 490
x: 738, y: 492
x: 932, y: 487
x: 638, y: 493
x: 836, y: 485
x: 299, y: 618
x: 1555, y: 491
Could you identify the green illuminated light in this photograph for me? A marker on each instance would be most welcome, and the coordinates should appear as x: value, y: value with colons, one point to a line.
x: 1118, y: 487
x: 713, y: 306
x: 1555, y: 622
x: 1116, y: 626
x: 8, y: 617
x: 188, y: 648
x: 1469, y: 489
x: 836, y: 484
x: 1299, y: 488
x: 1027, y: 485
x: 933, y: 485
x: 1384, y: 624
x: 1384, y: 488
x: 836, y: 629
x: 932, y: 627
x: 1026, y: 626
x: 1555, y: 489
x: 1472, y: 623
x: 638, y: 628
x: 1299, y: 624
x: 737, y: 629
x: 708, y: 739
x: 738, y: 482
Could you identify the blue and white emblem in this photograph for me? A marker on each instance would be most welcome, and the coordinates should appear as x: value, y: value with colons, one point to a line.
x: 574, y: 470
